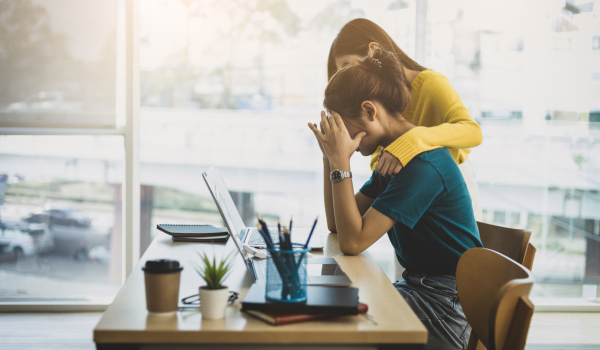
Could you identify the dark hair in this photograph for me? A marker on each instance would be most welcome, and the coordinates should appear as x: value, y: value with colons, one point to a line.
x: 376, y: 78
x: 354, y: 39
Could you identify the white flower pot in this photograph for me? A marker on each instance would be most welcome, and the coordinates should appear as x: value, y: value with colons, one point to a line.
x: 213, y: 302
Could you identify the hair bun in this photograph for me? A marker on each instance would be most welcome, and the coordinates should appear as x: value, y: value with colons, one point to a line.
x: 385, y: 63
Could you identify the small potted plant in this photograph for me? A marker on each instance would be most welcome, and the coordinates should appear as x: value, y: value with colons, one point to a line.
x: 214, y: 296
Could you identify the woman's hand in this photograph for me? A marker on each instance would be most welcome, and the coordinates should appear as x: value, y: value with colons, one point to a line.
x: 319, y: 141
x: 334, y: 139
x: 388, y: 164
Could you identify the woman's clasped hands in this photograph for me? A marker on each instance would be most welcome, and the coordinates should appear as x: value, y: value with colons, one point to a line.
x: 333, y: 137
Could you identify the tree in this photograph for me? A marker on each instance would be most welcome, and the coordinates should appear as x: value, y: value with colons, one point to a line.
x: 31, y: 54
x: 260, y: 21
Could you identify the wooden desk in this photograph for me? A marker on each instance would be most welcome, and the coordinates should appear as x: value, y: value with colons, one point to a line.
x: 127, y: 325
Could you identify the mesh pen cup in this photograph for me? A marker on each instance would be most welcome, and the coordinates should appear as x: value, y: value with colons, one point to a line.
x: 286, y: 274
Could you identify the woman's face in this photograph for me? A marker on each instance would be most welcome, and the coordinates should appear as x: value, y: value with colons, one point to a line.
x: 354, y: 59
x: 369, y: 143
x: 347, y: 60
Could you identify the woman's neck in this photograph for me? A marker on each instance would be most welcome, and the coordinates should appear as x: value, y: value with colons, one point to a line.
x: 397, y: 127
x: 410, y: 75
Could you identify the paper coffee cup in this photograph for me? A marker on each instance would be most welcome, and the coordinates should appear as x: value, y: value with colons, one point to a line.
x: 162, y: 285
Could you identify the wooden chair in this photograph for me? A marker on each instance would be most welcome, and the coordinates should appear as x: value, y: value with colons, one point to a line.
x: 494, y: 294
x: 512, y: 242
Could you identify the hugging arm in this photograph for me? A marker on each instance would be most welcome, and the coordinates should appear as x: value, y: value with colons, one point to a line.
x: 458, y: 130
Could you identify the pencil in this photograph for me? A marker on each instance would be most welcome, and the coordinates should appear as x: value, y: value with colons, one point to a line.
x: 279, y: 233
x: 264, y: 232
x: 288, y: 238
x: 265, y: 228
x: 267, y: 242
x: 311, y: 232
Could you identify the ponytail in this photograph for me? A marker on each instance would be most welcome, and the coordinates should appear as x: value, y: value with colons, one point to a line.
x: 378, y: 77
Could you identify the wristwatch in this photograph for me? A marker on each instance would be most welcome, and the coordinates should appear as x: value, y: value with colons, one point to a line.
x: 338, y: 175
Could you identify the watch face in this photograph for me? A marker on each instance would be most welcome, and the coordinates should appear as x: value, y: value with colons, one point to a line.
x: 336, y: 175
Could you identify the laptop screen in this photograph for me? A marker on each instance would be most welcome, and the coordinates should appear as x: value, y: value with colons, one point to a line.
x: 227, y: 207
x: 223, y: 199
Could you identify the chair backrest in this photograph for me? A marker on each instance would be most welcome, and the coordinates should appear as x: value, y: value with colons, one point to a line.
x: 529, y: 256
x: 511, y: 242
x: 494, y: 294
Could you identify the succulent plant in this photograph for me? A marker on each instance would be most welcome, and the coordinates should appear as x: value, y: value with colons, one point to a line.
x: 215, y: 272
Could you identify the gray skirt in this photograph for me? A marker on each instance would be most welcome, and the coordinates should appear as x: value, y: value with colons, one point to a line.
x: 434, y: 300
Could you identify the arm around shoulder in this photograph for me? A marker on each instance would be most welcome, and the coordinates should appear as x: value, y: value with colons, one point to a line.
x: 458, y: 129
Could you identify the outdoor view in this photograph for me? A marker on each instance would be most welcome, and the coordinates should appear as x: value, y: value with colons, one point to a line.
x: 233, y: 83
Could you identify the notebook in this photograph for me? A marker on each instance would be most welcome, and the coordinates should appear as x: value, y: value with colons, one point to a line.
x: 319, y: 300
x: 191, y: 230
x: 278, y: 320
x: 203, y: 239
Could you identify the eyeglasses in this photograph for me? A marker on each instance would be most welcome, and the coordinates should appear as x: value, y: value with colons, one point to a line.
x: 194, y: 301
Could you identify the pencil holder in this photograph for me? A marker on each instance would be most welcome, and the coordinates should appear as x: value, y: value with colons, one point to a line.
x: 286, y: 274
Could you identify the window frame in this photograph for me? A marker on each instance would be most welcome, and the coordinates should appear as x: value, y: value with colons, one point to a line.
x: 131, y: 184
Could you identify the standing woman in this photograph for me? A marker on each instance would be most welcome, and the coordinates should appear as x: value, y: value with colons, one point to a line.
x: 435, y: 108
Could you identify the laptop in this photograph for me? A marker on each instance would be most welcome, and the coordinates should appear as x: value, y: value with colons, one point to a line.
x: 321, y: 271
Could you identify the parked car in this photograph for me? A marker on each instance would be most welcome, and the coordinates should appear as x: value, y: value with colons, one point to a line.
x: 17, y: 242
x: 59, y: 214
x: 43, y: 236
x: 100, y: 254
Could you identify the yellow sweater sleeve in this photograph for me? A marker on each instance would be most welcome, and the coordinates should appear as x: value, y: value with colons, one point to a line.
x: 442, y: 121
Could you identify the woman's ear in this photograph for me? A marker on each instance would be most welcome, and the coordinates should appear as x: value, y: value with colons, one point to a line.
x: 372, y: 46
x: 369, y: 110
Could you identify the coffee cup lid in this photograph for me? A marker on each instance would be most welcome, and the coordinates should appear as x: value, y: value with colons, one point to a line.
x: 162, y: 266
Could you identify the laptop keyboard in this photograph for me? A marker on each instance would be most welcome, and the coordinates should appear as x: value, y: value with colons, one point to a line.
x: 255, y: 236
x: 260, y: 267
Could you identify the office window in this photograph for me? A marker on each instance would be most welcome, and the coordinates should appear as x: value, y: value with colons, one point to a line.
x: 536, y: 168
x: 62, y: 77
x: 58, y: 64
x: 60, y: 231
x: 235, y: 89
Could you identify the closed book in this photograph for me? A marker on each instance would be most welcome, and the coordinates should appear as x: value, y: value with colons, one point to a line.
x: 319, y: 300
x: 204, y: 239
x: 192, y: 230
x: 278, y: 320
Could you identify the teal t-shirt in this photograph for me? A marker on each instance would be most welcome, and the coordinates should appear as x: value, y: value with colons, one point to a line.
x: 430, y: 201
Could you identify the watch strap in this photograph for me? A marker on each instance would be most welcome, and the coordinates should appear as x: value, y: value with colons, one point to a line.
x: 343, y: 175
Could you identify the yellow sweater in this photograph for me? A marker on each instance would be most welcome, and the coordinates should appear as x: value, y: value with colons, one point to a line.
x: 441, y: 119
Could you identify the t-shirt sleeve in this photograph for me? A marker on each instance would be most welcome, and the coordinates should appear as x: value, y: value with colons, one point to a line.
x: 410, y: 193
x: 372, y: 188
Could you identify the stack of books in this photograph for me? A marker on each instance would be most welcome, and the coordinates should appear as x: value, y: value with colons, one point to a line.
x: 194, y: 233
x: 322, y: 303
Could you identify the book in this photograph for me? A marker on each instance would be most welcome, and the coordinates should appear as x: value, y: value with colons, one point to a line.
x: 320, y: 300
x: 192, y: 230
x: 278, y: 320
x: 203, y: 239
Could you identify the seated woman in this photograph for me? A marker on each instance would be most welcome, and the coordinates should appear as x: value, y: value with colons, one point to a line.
x: 425, y: 209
